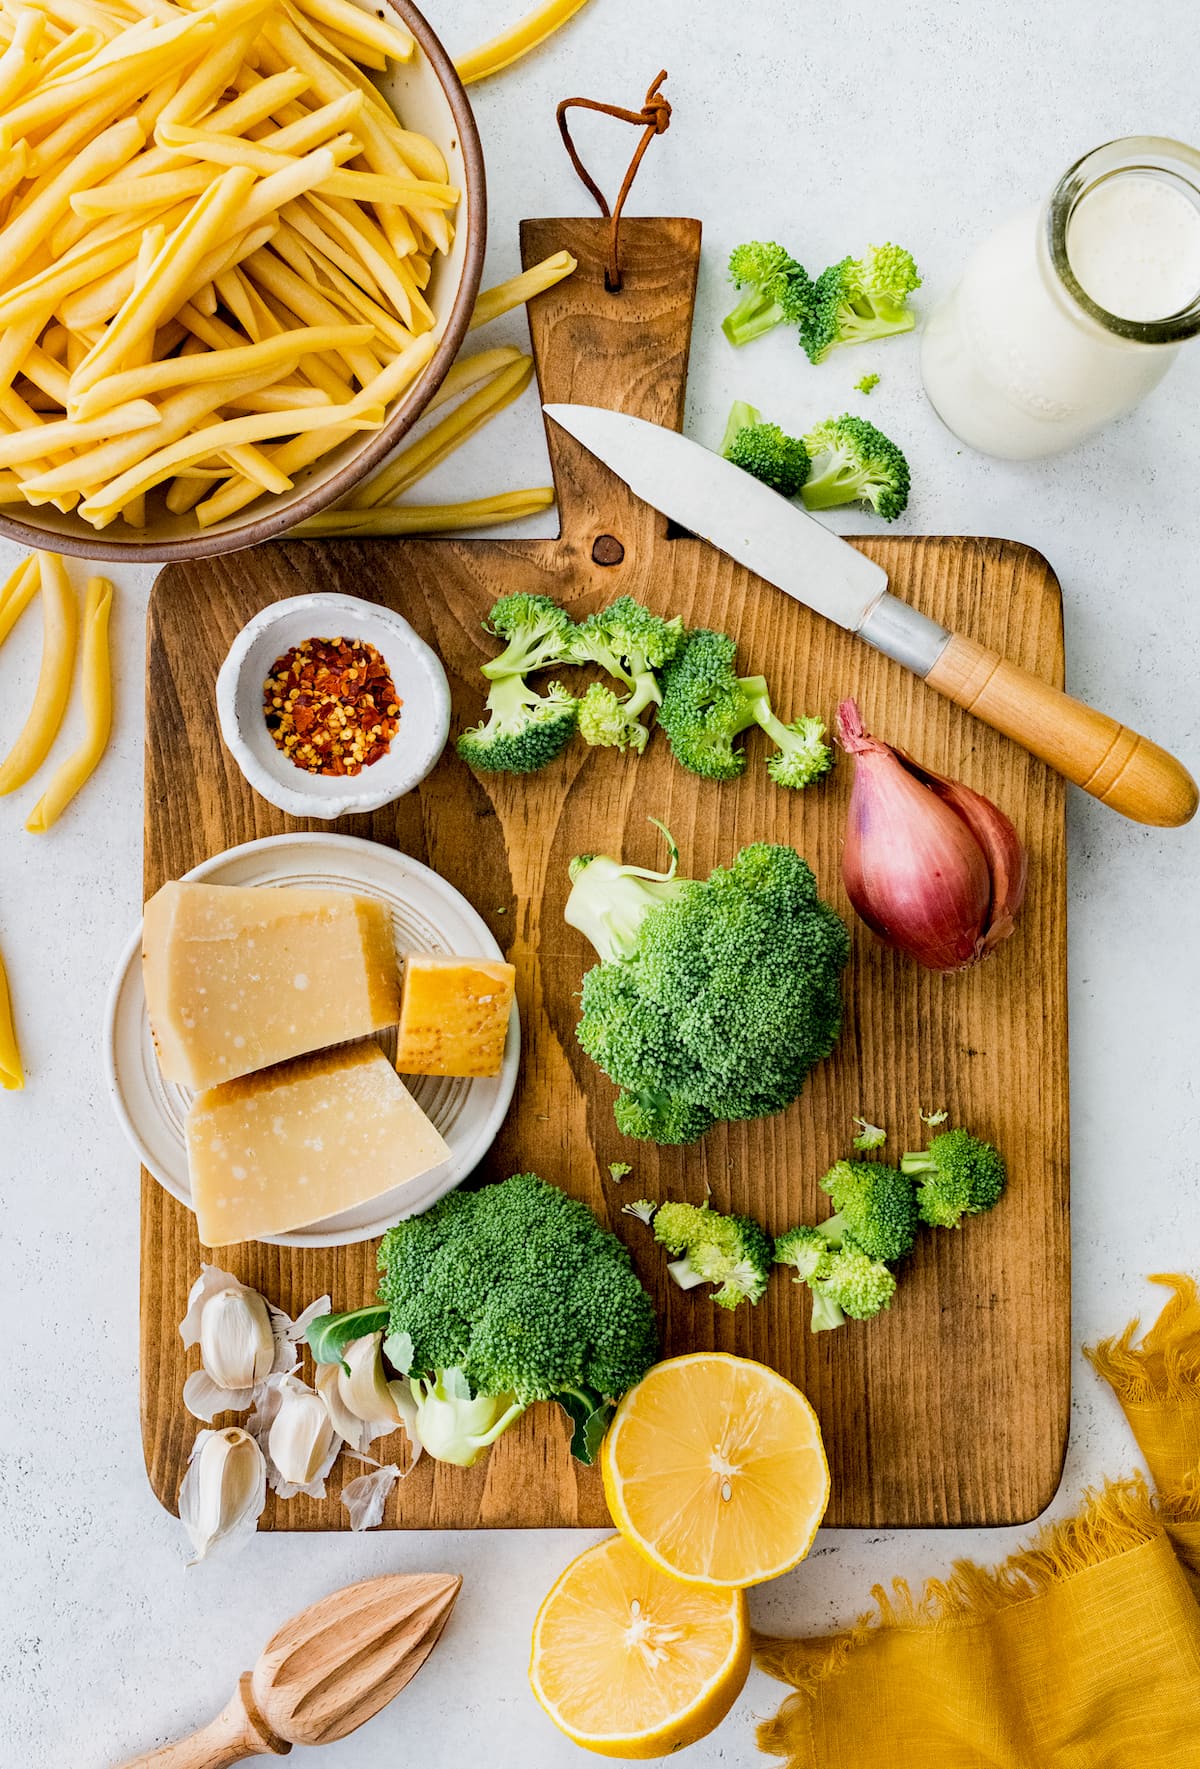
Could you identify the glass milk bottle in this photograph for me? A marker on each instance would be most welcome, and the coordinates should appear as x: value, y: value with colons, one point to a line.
x: 1070, y: 312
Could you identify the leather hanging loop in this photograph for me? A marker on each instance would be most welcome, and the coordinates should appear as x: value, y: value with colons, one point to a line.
x: 655, y: 119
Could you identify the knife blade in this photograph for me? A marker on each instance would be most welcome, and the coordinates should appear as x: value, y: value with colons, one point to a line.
x: 782, y: 543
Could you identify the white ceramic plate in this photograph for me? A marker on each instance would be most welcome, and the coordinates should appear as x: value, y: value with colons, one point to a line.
x: 429, y: 916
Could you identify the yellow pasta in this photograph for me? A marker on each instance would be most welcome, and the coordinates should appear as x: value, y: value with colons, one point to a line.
x: 12, y: 1075
x: 153, y: 156
x: 519, y: 289
x: 500, y: 52
x: 419, y: 458
x: 59, y: 617
x: 71, y: 774
x: 18, y: 592
x: 507, y: 506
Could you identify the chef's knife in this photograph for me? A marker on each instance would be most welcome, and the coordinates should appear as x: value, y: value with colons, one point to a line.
x: 782, y: 543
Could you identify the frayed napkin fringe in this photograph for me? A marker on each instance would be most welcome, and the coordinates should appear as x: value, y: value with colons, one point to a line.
x: 1119, y: 1517
x: 1165, y: 1366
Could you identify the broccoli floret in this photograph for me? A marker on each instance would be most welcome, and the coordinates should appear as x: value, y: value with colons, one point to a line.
x: 870, y: 1136
x: 778, y: 291
x: 608, y: 723
x: 631, y: 644
x: 713, y: 999
x: 707, y: 705
x: 763, y: 450
x: 960, y: 1176
x: 867, y: 384
x: 539, y: 634
x: 731, y: 1252
x: 860, y: 299
x: 856, y: 1286
x: 523, y: 731
x: 704, y: 707
x: 854, y: 463
x: 619, y: 1170
x: 499, y: 1298
x: 876, y: 1209
x: 807, y: 1249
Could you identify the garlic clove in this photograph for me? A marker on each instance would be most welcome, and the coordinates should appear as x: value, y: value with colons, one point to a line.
x: 366, y: 1497
x: 211, y: 1282
x: 357, y: 1432
x: 292, y: 1424
x: 224, y: 1489
x: 237, y: 1346
x: 363, y: 1385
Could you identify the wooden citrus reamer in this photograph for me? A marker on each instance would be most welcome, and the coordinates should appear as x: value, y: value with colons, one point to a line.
x: 324, y: 1673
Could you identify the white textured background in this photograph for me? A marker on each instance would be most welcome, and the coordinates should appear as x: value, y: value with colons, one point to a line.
x: 828, y: 127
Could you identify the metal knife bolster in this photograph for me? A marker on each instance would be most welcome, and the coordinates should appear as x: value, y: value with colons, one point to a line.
x: 904, y: 634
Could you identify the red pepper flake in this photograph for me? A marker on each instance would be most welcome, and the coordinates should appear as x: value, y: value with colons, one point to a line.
x: 331, y: 705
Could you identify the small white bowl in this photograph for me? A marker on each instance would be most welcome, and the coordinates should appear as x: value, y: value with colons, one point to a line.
x: 420, y: 682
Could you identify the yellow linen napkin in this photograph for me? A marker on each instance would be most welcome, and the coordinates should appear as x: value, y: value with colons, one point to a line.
x: 1080, y: 1652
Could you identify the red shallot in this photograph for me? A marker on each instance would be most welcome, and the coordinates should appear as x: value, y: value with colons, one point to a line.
x: 935, y: 869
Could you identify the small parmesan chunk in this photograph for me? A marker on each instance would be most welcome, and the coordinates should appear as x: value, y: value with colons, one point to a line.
x: 454, y: 1015
x: 302, y: 1141
x: 240, y: 977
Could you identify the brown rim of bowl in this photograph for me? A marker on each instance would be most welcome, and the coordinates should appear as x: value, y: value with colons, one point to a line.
x: 273, y: 524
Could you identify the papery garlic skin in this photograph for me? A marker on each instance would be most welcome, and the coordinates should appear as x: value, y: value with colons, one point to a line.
x: 224, y: 1489
x: 237, y: 1346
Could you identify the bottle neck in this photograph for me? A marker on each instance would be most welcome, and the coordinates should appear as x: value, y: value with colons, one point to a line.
x: 1172, y: 171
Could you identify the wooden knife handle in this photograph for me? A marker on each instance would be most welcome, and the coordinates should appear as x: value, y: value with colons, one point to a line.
x: 239, y: 1731
x: 1124, y: 771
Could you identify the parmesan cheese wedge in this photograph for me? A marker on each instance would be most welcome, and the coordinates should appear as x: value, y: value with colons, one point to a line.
x: 454, y: 1015
x: 302, y: 1141
x: 240, y: 977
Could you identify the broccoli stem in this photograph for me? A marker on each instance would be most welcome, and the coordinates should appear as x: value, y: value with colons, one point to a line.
x: 753, y: 315
x: 826, y: 1313
x: 609, y: 902
x: 741, y: 416
x: 919, y: 1161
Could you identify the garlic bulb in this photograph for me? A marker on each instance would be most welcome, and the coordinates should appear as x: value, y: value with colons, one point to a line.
x: 237, y: 1346
x: 293, y: 1426
x: 224, y: 1489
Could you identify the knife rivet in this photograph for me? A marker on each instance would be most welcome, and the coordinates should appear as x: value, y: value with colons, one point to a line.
x: 607, y: 550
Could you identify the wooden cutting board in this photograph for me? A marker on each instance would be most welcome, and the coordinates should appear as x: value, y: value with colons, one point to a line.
x: 950, y: 1409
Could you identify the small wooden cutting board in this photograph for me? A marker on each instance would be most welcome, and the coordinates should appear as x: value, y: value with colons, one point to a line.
x: 952, y: 1408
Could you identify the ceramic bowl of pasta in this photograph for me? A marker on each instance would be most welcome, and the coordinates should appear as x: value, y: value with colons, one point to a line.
x: 240, y: 247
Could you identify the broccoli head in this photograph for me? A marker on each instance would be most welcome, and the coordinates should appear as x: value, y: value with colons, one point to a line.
x: 502, y: 1297
x: 731, y: 1252
x: 713, y: 999
x: 763, y: 450
x: 539, y: 634
x: 859, y: 299
x: 876, y: 1208
x: 778, y: 291
x: 523, y: 731
x: 960, y: 1176
x: 854, y: 463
